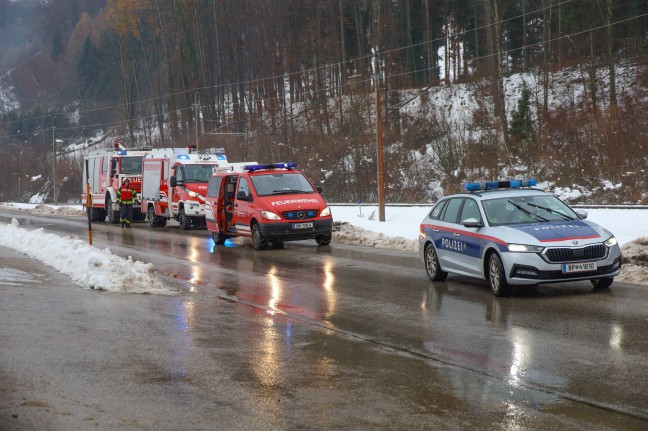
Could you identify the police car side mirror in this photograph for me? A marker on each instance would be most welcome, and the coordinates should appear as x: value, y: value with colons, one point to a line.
x: 472, y: 222
x: 172, y: 181
x: 319, y: 189
x: 582, y: 213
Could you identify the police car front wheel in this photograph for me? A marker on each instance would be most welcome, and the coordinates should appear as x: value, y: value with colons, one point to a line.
x: 496, y: 277
x: 602, y: 283
x: 432, y: 266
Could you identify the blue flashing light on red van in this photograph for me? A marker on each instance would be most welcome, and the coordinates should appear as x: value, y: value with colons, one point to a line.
x: 252, y: 168
x: 502, y: 184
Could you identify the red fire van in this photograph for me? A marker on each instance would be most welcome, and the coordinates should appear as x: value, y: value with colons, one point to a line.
x: 268, y: 203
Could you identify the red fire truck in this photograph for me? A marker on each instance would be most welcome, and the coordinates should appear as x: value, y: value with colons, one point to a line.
x: 174, y: 185
x: 104, y: 170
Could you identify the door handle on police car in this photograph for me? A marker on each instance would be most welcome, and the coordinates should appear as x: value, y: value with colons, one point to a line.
x: 456, y: 234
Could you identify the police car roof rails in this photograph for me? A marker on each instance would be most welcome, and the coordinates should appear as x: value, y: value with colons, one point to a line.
x: 288, y: 166
x: 501, y: 184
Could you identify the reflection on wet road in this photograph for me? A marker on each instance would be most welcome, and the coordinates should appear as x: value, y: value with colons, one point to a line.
x: 349, y: 320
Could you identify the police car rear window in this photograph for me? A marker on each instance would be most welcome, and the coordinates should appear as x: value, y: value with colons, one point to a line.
x: 451, y: 212
x: 437, y: 210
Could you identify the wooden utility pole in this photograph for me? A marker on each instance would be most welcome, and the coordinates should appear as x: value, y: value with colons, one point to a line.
x: 196, y: 116
x: 381, y: 179
x: 54, y: 165
x: 88, y: 201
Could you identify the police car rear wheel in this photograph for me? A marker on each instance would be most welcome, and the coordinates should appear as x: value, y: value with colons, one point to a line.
x: 432, y: 266
x: 496, y: 277
x: 260, y: 243
x: 602, y: 283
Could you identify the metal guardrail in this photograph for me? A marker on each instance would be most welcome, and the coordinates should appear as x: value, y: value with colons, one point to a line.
x: 617, y: 207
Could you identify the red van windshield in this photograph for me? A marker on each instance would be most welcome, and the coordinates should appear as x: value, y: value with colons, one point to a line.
x: 281, y: 183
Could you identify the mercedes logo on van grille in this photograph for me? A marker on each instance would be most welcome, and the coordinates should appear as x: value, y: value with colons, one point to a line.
x: 299, y: 214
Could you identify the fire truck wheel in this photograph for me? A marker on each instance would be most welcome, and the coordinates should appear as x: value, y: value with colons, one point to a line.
x: 185, y: 222
x: 323, y: 239
x: 219, y: 238
x: 260, y: 243
x: 150, y: 215
x: 98, y: 215
x: 155, y: 221
x: 113, y: 216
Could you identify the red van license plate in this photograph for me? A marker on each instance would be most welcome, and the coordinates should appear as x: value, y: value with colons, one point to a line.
x: 302, y: 225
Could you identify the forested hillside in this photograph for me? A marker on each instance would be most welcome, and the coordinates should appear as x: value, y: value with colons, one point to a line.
x: 467, y: 89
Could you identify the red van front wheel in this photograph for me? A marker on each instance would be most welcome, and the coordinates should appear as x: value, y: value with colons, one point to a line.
x: 260, y: 243
x: 323, y: 239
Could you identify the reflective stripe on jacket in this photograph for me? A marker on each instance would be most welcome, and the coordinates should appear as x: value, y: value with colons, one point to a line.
x: 125, y: 195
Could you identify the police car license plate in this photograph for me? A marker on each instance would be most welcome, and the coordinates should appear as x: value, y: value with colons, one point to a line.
x: 302, y: 225
x: 568, y: 268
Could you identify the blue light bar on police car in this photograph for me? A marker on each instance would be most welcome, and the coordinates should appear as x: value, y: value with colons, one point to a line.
x: 253, y: 168
x: 184, y: 157
x: 502, y: 184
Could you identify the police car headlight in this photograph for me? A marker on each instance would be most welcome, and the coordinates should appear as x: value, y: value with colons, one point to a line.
x: 523, y: 248
x: 612, y: 241
x: 269, y: 215
x: 326, y: 212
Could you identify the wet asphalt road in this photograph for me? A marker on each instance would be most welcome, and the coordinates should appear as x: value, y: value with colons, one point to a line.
x: 304, y: 337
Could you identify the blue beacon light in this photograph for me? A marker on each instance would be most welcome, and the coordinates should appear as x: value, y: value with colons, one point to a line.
x: 253, y: 168
x: 502, y: 184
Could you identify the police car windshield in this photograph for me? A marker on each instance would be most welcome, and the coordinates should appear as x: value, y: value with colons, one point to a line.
x: 131, y: 165
x: 196, y: 173
x: 280, y: 184
x: 527, y: 209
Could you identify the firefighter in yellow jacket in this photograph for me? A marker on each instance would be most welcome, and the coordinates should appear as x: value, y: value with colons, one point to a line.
x: 125, y: 197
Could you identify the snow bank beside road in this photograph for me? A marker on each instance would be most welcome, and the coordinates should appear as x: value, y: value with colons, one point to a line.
x: 88, y: 266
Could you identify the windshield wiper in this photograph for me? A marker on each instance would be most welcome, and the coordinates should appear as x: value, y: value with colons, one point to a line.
x: 287, y: 192
x: 527, y: 212
x: 552, y: 211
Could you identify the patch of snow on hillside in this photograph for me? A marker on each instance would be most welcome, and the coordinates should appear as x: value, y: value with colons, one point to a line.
x: 8, y: 101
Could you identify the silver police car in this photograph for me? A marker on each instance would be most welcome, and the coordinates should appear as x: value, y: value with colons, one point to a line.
x: 512, y: 234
